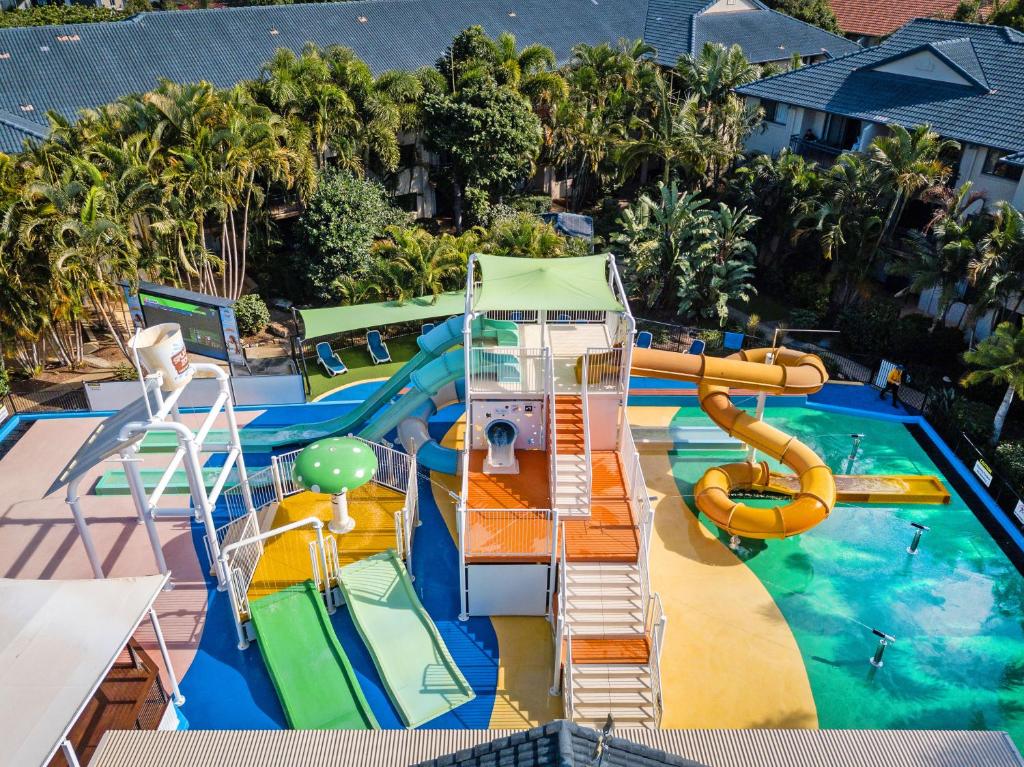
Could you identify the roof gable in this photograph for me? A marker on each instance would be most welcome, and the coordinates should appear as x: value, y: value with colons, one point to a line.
x: 986, y: 112
x: 950, y: 61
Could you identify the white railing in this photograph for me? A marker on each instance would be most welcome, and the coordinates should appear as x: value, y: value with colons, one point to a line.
x: 241, y: 557
x: 394, y: 467
x: 655, y: 621
x: 587, y: 452
x: 575, y: 316
x: 460, y: 525
x: 506, y: 370
x: 520, y: 316
x: 636, y: 487
x: 549, y: 386
x: 561, y: 621
x: 509, y: 534
x: 567, y: 701
x: 285, y: 467
x: 605, y: 369
x: 261, y: 485
x: 243, y: 566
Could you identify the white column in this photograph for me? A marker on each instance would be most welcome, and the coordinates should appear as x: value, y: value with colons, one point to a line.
x: 83, y: 529
x: 138, y: 491
x: 179, y: 699
x: 69, y: 754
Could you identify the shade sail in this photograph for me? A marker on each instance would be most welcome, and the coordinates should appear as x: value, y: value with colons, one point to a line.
x: 58, y: 640
x: 341, y: 319
x: 575, y: 284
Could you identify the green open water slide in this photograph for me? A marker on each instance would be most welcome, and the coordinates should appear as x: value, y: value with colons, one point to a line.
x: 432, y: 345
x: 310, y: 671
x: 407, y: 649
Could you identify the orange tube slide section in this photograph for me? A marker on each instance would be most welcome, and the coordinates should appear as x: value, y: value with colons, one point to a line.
x: 789, y: 372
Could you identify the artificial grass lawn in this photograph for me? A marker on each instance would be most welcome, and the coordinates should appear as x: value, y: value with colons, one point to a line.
x: 360, y: 365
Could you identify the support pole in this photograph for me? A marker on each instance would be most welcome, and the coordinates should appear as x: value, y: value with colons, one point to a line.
x: 138, y: 491
x: 69, y: 754
x: 194, y: 470
x: 83, y: 529
x: 762, y: 398
x: 327, y: 570
x: 179, y: 699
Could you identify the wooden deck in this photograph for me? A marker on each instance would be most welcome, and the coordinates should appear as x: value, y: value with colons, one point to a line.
x: 609, y: 535
x: 285, y: 559
x: 601, y: 650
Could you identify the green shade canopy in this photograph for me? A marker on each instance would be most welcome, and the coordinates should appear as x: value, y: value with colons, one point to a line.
x: 579, y: 284
x: 341, y: 319
x: 335, y: 465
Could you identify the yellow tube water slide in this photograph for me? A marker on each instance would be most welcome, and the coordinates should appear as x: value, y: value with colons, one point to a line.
x: 788, y: 372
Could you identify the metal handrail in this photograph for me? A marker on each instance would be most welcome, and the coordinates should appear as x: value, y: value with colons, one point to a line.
x: 655, y: 622
x: 587, y: 455
x: 549, y: 395
x: 561, y: 623
x: 567, y: 701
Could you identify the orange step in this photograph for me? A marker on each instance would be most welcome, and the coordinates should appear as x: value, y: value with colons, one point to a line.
x: 569, y: 424
x: 611, y: 650
x: 609, y: 535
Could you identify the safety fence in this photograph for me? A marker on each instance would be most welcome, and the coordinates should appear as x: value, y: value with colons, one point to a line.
x: 509, y: 534
x: 606, y: 370
x: 981, y: 461
x: 35, y: 397
x: 678, y: 338
x: 507, y: 370
x: 552, y: 432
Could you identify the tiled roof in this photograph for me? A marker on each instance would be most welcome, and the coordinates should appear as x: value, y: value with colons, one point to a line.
x: 849, y: 86
x: 68, y: 68
x: 768, y: 36
x: 559, y: 744
x: 880, y: 17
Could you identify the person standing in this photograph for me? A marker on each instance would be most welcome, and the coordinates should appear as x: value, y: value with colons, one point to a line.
x: 892, y: 385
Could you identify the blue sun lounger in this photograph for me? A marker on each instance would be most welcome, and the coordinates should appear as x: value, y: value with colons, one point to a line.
x: 696, y: 346
x: 644, y: 339
x: 426, y: 328
x: 378, y: 349
x: 328, y: 360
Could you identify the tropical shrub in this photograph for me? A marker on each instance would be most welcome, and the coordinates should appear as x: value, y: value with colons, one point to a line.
x: 869, y: 328
x: 339, y: 225
x: 1009, y: 460
x: 252, y: 314
x: 952, y: 413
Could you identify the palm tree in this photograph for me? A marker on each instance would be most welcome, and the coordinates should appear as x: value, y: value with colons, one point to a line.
x: 1000, y: 360
x: 672, y: 136
x: 524, y: 236
x: 909, y: 162
x: 999, y: 269
x: 941, y: 261
x: 420, y: 263
x: 848, y: 221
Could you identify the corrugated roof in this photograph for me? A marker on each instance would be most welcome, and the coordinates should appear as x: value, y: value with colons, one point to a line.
x: 399, y: 748
x: 71, y: 67
x: 877, y: 18
x: 847, y: 86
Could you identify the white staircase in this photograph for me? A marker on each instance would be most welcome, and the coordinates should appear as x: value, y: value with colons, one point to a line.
x: 603, y: 598
x: 571, y: 489
x: 625, y: 691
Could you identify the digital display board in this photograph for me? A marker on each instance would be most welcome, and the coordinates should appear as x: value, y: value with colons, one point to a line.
x: 200, y: 324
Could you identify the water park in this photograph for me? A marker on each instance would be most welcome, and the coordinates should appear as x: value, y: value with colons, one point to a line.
x: 535, y: 515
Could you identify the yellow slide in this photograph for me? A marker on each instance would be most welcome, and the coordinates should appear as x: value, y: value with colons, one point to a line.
x: 789, y: 372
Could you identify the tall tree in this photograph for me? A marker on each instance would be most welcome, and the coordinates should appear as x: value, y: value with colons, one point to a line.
x: 999, y: 359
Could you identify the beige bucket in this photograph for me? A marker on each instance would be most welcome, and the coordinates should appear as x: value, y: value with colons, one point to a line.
x: 162, y: 349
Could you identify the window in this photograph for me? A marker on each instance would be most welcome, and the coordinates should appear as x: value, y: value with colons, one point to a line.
x: 407, y: 156
x: 775, y: 112
x: 993, y: 166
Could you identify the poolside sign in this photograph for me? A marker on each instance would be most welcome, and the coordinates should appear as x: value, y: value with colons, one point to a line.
x: 983, y: 472
x: 1018, y: 511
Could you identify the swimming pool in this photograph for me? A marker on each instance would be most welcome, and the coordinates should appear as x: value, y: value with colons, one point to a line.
x: 955, y: 608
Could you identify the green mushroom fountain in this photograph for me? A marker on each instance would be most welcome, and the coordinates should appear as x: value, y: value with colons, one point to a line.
x: 335, y: 466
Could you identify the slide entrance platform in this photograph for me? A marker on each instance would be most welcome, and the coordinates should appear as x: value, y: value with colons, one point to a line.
x: 411, y: 657
x: 310, y: 671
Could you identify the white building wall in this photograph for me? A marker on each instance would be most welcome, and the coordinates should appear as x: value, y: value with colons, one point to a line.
x: 994, y: 188
x: 772, y: 137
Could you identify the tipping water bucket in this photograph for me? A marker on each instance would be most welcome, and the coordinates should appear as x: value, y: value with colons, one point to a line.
x: 162, y: 349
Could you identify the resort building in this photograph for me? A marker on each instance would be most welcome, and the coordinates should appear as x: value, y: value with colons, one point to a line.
x: 966, y: 81
x: 69, y: 69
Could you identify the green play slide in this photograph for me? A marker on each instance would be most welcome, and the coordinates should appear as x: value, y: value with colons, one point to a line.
x: 411, y: 658
x: 310, y: 671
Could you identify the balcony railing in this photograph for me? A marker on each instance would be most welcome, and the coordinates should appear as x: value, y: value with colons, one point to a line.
x: 814, y: 149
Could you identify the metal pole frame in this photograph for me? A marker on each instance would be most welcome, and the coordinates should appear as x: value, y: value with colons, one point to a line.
x: 179, y: 699
x: 72, y: 499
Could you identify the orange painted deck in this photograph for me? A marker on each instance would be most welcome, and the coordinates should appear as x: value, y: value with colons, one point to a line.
x: 602, y: 650
x: 526, y: 490
x: 610, y: 534
x: 286, y: 559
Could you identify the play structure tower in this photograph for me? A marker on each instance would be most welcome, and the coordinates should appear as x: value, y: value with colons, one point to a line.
x: 553, y: 513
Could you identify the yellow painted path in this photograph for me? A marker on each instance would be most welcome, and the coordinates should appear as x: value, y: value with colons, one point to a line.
x: 730, y: 659
x: 526, y: 654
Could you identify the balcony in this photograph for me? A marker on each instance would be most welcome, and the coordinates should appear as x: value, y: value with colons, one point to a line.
x: 815, y: 150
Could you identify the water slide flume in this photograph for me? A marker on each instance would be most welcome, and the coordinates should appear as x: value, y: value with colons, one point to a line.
x: 785, y: 372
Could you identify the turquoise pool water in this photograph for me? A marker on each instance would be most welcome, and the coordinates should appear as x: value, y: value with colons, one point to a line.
x: 956, y: 608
